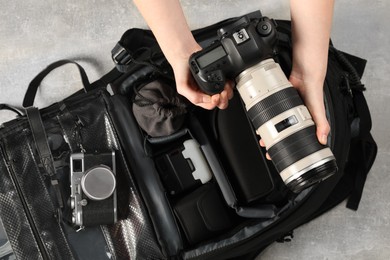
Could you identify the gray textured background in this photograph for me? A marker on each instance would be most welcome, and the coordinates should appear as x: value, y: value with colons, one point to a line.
x: 36, y: 33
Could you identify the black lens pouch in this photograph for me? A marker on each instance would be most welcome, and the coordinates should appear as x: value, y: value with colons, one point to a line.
x: 203, y: 214
x: 159, y: 109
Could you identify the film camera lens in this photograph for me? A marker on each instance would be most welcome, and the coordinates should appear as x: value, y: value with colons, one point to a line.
x: 98, y: 183
x: 285, y: 125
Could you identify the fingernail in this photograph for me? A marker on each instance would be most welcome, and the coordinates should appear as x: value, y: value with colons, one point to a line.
x: 324, y: 139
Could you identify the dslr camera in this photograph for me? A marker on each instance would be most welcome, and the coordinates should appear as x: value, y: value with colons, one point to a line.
x: 93, y: 189
x: 244, y: 52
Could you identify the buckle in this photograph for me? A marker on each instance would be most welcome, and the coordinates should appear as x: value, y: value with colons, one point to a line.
x: 120, y: 55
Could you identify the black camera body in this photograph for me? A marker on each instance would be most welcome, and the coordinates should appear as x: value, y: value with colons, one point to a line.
x: 242, y: 45
x: 93, y: 189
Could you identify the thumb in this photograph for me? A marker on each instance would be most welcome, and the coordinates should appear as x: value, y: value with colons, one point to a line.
x: 316, y: 106
x: 323, y: 130
x: 317, y: 111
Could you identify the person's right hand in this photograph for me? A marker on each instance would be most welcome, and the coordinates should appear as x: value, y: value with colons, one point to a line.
x: 187, y: 86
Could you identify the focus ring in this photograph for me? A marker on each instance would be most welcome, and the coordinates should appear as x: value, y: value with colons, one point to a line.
x: 294, y: 148
x: 271, y: 106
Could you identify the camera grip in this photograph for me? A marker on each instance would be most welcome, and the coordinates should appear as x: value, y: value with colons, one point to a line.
x: 207, y: 68
x: 211, y: 83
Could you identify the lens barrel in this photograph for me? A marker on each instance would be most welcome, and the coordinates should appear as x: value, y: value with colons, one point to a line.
x: 285, y: 125
x: 319, y: 173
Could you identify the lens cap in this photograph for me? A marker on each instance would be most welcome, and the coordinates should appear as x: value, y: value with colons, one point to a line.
x: 98, y: 183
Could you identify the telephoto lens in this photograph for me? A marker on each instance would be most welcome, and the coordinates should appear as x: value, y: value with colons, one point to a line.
x: 285, y: 125
x: 244, y: 53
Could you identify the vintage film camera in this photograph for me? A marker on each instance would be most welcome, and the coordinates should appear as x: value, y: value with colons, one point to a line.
x: 93, y: 189
x: 244, y: 52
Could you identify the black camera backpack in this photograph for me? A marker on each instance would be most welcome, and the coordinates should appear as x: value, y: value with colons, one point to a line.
x: 165, y: 213
x: 235, y: 143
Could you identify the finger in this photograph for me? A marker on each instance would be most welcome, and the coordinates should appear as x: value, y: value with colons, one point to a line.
x: 211, y: 102
x: 224, y: 101
x: 208, y: 106
x: 229, y: 89
x: 317, y: 112
x: 314, y: 100
x: 196, y: 97
x: 226, y: 95
x: 262, y: 144
x: 215, y: 99
x: 322, y: 131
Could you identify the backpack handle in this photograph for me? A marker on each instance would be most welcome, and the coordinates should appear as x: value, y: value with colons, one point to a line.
x: 32, y: 89
x: 11, y: 108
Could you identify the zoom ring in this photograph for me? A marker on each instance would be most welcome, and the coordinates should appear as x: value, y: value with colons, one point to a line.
x: 294, y: 148
x: 277, y: 103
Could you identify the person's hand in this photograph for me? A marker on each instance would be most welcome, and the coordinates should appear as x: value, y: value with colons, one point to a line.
x: 187, y: 87
x: 313, y: 97
x: 310, y: 27
x: 311, y: 91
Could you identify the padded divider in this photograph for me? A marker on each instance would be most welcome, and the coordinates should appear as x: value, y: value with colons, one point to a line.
x: 215, y: 164
x: 250, y: 175
x: 264, y: 210
x: 146, y: 176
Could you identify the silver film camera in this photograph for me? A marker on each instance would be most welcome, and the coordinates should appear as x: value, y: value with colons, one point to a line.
x: 93, y: 189
x: 245, y: 52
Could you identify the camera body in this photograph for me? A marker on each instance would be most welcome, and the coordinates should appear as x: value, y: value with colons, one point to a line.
x: 245, y: 53
x: 93, y: 189
x: 242, y: 45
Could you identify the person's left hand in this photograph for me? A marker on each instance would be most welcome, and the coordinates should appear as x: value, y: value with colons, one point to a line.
x: 311, y: 91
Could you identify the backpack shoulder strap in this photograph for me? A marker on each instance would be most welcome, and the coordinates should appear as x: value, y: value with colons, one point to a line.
x: 363, y: 150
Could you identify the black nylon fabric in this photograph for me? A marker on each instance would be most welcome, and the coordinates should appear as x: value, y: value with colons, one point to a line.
x: 32, y: 186
x: 12, y: 215
x: 28, y: 203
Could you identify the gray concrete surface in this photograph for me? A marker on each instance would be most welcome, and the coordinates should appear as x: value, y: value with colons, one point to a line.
x: 36, y: 33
